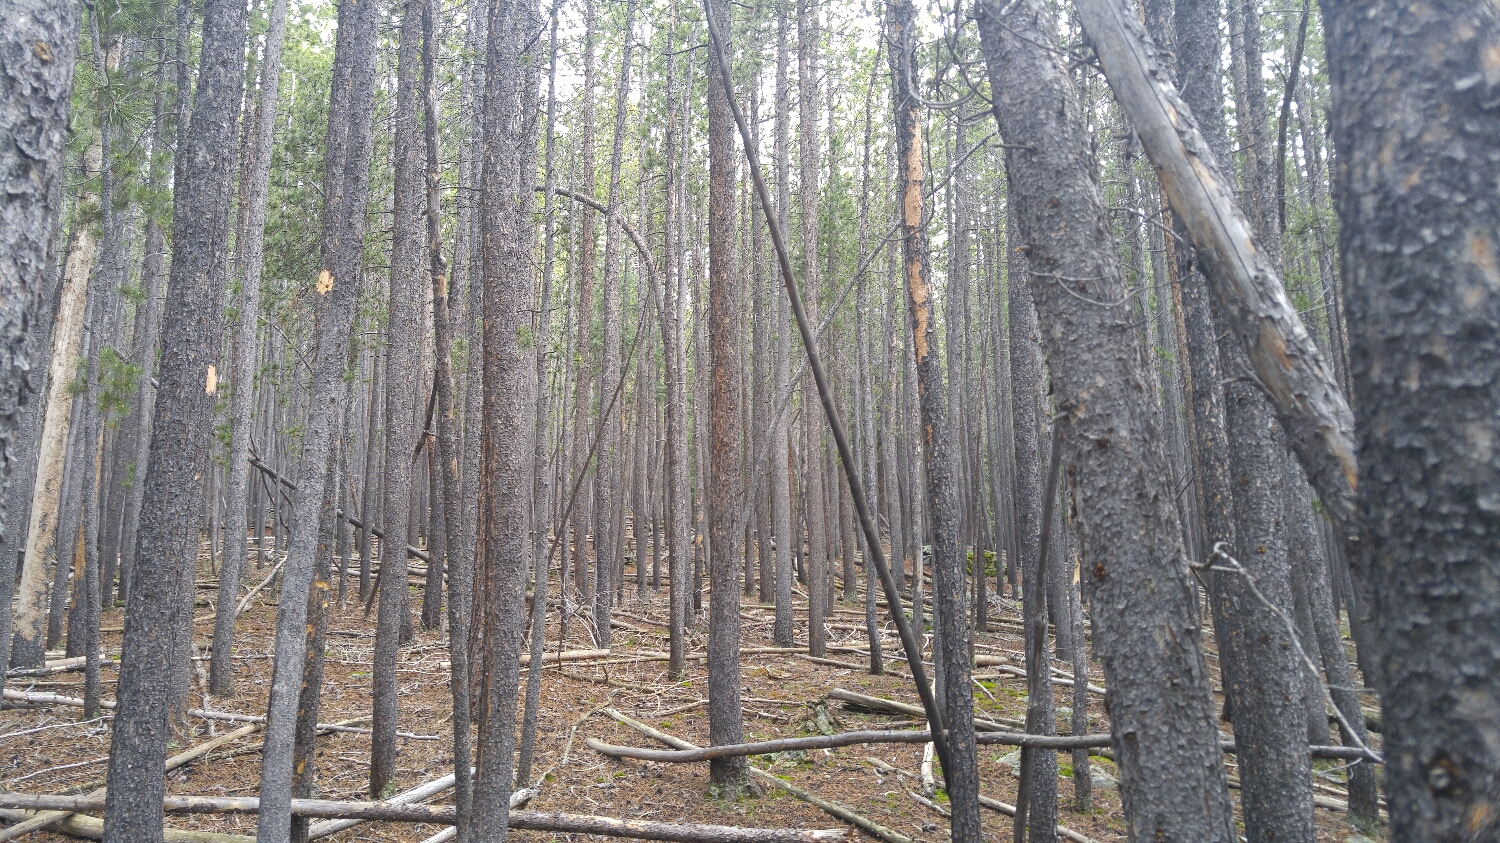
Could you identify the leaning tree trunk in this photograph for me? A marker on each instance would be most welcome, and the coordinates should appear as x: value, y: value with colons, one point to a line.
x: 345, y: 191
x: 168, y: 535
x: 1418, y: 140
x: 242, y: 395
x: 1143, y: 598
x: 960, y: 772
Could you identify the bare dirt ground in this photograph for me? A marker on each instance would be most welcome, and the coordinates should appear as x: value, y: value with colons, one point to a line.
x: 48, y: 750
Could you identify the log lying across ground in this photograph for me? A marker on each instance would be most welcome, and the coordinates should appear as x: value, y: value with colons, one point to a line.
x: 1060, y: 742
x: 882, y: 704
x: 834, y: 809
x: 554, y: 823
x: 61, y: 815
x: 92, y: 828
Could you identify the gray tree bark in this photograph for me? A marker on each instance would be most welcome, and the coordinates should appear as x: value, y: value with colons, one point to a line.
x: 242, y: 396
x: 1418, y: 141
x: 1143, y: 599
x: 725, y: 485
x: 346, y: 189
x: 402, y: 382
x: 780, y: 495
x: 611, y: 457
x: 192, y: 328
x: 38, y: 51
x: 506, y: 197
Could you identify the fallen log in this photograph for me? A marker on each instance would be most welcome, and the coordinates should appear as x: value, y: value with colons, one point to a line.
x: 92, y: 828
x: 833, y: 809
x: 48, y: 818
x: 416, y: 794
x: 1058, y: 742
x: 883, y: 704
x: 555, y: 823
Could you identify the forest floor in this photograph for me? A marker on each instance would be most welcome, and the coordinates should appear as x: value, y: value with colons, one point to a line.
x: 49, y: 750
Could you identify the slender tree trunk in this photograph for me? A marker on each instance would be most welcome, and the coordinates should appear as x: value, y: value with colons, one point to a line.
x: 174, y: 480
x: 951, y: 632
x: 725, y: 485
x: 402, y: 383
x: 678, y: 501
x: 220, y: 666
x: 583, y: 346
x: 460, y: 568
x: 1417, y: 141
x: 1163, y: 729
x: 812, y: 428
x: 611, y: 459
x: 540, y: 557
x: 781, y: 502
x: 345, y: 192
x: 506, y: 196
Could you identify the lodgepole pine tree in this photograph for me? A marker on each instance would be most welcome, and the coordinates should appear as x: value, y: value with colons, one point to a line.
x: 1135, y: 571
x: 1417, y: 132
x: 192, y: 325
x: 347, y: 163
x: 938, y: 447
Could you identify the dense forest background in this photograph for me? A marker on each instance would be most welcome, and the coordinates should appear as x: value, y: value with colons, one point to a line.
x: 1119, y: 382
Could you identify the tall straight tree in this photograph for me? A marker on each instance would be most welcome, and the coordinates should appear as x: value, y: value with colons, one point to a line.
x: 1135, y: 570
x: 583, y: 345
x: 781, y: 496
x: 168, y: 535
x: 611, y: 455
x: 346, y: 188
x: 407, y: 251
x: 1418, y: 140
x: 38, y: 50
x: 506, y: 199
x: 813, y: 497
x: 725, y: 485
x: 938, y: 445
x: 220, y: 666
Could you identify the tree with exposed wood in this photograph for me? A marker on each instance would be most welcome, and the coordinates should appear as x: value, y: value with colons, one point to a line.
x: 951, y: 638
x: 1164, y: 731
x: 341, y: 250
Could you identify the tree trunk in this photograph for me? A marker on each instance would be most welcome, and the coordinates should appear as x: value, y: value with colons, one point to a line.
x: 1418, y: 140
x: 401, y: 384
x: 46, y: 501
x: 220, y: 666
x: 781, y: 502
x: 583, y: 345
x: 38, y: 52
x: 506, y: 197
x: 1163, y: 728
x: 611, y: 458
x: 192, y: 329
x: 960, y: 771
x: 725, y: 486
x: 345, y: 191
